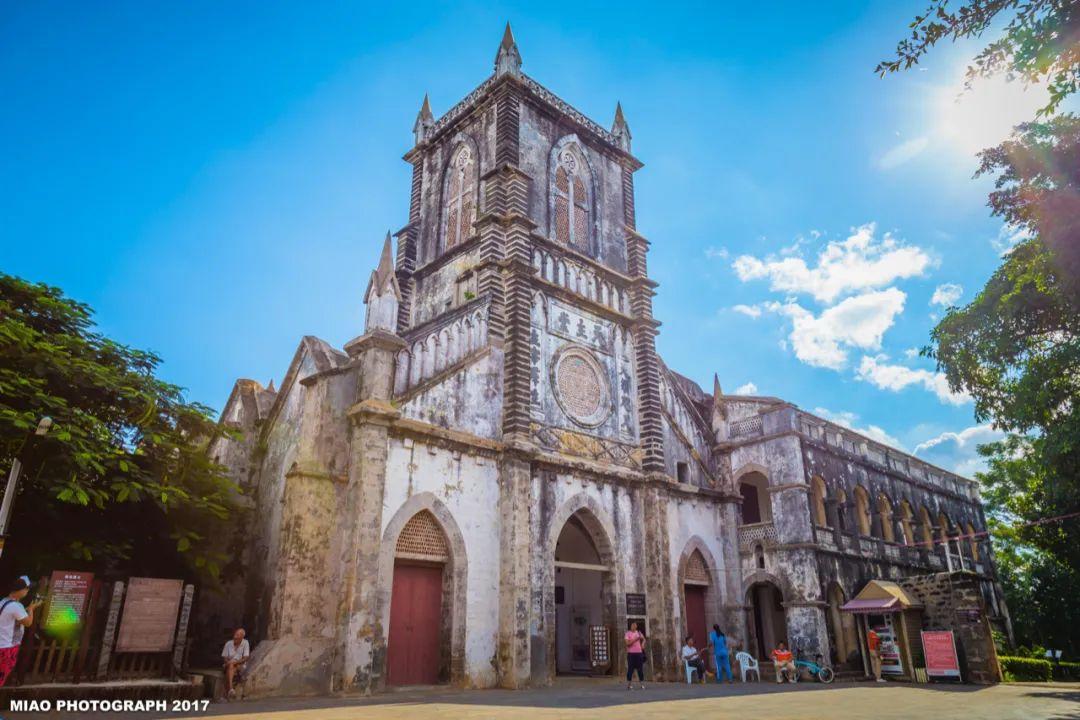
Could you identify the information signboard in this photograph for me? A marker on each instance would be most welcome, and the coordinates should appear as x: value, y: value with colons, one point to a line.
x: 148, y: 620
x: 891, y: 664
x: 635, y: 604
x: 939, y: 649
x: 68, y: 591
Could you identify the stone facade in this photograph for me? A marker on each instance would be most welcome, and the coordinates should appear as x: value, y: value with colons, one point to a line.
x: 507, y: 385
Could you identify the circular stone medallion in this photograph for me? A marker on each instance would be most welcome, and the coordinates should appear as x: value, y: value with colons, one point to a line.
x: 580, y: 386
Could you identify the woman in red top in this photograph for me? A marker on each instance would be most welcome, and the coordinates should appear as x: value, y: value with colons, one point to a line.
x: 635, y: 656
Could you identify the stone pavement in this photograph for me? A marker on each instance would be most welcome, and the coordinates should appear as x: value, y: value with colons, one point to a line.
x: 581, y: 699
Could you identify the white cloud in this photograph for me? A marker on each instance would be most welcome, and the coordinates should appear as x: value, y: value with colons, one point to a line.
x: 1008, y: 237
x: 861, y: 262
x: 860, y: 321
x: 716, y: 253
x: 946, y: 294
x: 878, y: 372
x: 850, y: 420
x: 902, y: 153
x: 959, y: 451
x: 747, y: 389
x: 911, y: 353
x: 750, y: 311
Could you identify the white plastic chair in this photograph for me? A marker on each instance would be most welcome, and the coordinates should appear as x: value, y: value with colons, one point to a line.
x: 690, y: 671
x: 747, y: 664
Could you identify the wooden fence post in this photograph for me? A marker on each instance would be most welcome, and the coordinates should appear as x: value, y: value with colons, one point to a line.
x: 109, y: 637
x: 182, y: 628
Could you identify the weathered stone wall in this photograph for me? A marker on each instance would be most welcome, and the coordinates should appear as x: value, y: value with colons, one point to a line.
x: 540, y: 132
x: 954, y: 601
x: 467, y: 485
x: 468, y: 399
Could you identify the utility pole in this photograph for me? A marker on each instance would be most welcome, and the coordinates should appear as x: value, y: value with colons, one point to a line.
x: 13, y: 481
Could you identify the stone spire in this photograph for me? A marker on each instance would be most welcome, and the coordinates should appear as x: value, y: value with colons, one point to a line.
x: 508, y: 59
x: 719, y: 410
x: 424, y: 121
x: 620, y: 129
x: 383, y: 295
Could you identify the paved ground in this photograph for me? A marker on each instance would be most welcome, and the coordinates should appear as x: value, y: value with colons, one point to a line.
x: 581, y: 699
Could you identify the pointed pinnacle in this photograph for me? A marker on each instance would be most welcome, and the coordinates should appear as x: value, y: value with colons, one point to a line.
x: 386, y: 260
x: 508, y: 38
x: 717, y: 391
x: 619, y: 119
x: 425, y: 108
x: 270, y: 387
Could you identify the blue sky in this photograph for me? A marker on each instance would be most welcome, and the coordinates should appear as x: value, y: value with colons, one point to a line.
x: 215, y: 179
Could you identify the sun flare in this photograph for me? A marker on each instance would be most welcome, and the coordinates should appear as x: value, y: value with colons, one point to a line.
x: 975, y: 119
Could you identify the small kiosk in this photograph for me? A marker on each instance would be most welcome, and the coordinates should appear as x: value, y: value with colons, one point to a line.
x: 896, y: 617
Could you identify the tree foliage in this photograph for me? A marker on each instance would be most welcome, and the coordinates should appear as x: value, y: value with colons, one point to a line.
x: 121, y: 481
x: 1040, y: 41
x: 1016, y: 347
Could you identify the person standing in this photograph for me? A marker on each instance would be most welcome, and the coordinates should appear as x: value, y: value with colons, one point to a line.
x: 635, y: 656
x: 721, y: 654
x: 14, y: 618
x: 873, y: 644
x: 234, y: 656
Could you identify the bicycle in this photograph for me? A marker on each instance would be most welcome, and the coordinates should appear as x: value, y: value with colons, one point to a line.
x: 823, y: 673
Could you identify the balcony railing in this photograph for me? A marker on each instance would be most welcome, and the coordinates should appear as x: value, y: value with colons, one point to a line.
x: 763, y: 532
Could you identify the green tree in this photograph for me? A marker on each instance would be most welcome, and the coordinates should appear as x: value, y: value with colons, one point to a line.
x: 1016, y: 347
x: 122, y: 482
x: 1040, y: 41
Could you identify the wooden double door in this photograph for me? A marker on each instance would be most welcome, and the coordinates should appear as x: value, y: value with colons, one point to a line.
x: 413, y: 648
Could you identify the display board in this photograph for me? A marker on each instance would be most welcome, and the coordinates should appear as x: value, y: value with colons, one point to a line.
x: 148, y: 620
x: 939, y: 649
x: 635, y: 604
x: 68, y: 592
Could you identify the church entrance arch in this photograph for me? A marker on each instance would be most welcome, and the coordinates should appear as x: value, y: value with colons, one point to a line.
x: 584, y: 595
x: 417, y: 631
x: 766, y: 622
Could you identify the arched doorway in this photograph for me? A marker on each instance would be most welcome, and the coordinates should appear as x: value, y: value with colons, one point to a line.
x: 417, y: 646
x: 767, y: 624
x: 584, y: 596
x: 843, y: 635
x: 697, y: 596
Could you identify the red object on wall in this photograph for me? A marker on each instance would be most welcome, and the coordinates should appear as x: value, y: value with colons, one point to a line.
x: 412, y: 649
x: 939, y: 649
x: 695, y: 618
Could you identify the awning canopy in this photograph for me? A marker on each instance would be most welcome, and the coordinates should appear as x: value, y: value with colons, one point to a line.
x: 880, y: 596
x: 877, y: 605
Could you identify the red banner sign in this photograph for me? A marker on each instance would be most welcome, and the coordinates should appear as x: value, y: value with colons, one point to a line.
x: 939, y: 649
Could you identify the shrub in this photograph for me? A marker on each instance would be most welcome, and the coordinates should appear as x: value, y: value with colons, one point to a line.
x: 1018, y: 669
x: 1067, y: 671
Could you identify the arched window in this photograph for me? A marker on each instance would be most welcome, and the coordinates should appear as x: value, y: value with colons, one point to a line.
x: 862, y: 511
x: 927, y: 528
x: 572, y: 204
x: 818, y: 489
x: 905, y: 522
x: 885, y: 510
x: 973, y: 542
x: 459, y: 197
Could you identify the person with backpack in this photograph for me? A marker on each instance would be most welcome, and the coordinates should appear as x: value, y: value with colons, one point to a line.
x: 14, y: 618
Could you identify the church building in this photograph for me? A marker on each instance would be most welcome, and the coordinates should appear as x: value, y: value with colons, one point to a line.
x: 500, y: 472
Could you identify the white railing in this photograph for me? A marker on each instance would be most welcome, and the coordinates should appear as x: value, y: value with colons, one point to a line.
x: 764, y: 532
x: 747, y: 427
x: 440, y: 348
x: 578, y: 279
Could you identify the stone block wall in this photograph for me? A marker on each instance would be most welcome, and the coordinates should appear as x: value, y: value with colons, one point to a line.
x: 954, y: 601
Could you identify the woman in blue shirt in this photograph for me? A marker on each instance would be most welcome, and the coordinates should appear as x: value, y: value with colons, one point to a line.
x: 720, y: 653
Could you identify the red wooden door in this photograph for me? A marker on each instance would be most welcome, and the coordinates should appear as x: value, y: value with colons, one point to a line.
x: 695, y: 617
x: 412, y: 649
